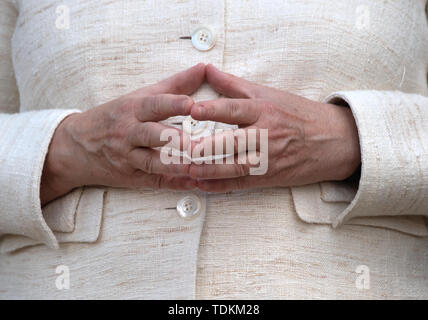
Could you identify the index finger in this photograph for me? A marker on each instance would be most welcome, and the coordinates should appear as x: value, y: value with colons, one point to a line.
x: 184, y: 82
x: 163, y: 106
x: 231, y: 111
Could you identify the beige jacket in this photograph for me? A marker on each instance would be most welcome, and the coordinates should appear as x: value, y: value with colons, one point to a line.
x: 307, y: 242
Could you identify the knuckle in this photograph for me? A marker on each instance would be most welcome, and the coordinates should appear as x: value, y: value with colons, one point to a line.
x: 147, y: 164
x: 234, y: 110
x: 127, y: 105
x: 155, y: 104
x: 130, y: 159
x: 133, y: 135
x: 267, y: 106
x: 131, y: 106
x: 118, y: 131
x: 144, y: 134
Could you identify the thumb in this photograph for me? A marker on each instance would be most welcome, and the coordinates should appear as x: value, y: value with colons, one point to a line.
x: 230, y: 85
x: 185, y: 82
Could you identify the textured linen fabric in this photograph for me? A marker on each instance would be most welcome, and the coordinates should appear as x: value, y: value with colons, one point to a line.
x: 276, y: 243
x: 402, y: 148
x: 22, y: 158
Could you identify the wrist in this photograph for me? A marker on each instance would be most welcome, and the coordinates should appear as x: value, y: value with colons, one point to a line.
x: 349, y: 146
x: 335, y: 149
x: 59, y: 171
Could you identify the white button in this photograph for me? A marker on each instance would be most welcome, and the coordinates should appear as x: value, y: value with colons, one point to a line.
x: 203, y: 39
x: 194, y: 127
x: 189, y: 206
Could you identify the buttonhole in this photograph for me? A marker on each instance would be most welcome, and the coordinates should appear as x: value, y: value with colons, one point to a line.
x: 186, y: 38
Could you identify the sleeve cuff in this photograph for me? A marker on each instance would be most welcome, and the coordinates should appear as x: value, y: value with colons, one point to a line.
x: 393, y: 133
x: 25, y: 140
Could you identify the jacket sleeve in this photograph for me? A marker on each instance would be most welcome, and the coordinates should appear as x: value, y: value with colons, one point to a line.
x: 393, y: 133
x: 24, y: 143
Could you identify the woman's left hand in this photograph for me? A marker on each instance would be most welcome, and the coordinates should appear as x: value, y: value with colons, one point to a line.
x: 308, y: 141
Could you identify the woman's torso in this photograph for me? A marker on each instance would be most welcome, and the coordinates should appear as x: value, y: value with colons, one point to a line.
x: 248, y: 244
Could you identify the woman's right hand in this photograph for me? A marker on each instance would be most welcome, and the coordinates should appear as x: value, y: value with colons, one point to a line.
x: 111, y: 145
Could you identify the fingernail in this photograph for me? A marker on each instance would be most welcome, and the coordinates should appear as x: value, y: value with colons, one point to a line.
x: 187, y: 103
x: 200, y: 110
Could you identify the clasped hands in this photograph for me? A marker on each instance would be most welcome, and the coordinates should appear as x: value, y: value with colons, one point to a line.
x: 116, y: 144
